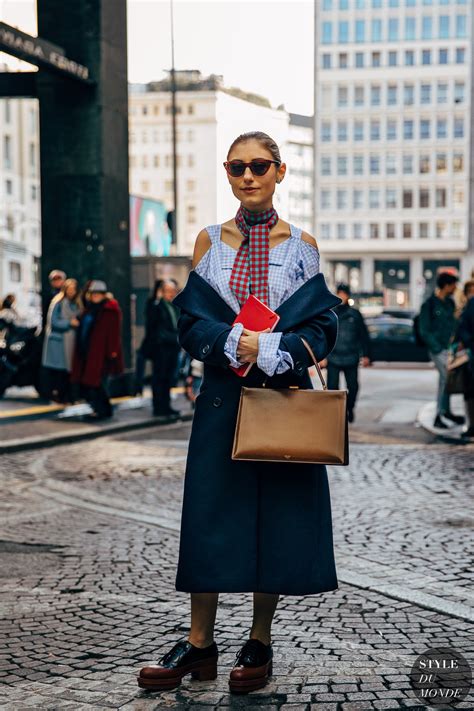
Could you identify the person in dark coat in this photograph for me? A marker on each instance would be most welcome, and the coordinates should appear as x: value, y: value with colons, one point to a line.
x: 246, y: 526
x: 465, y: 336
x: 162, y: 347
x: 353, y: 343
x: 140, y: 357
x: 98, y: 352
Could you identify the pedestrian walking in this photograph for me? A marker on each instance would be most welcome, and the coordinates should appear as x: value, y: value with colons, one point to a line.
x: 98, y: 352
x: 247, y: 526
x: 59, y: 342
x: 162, y: 347
x: 56, y: 279
x: 465, y: 336
x: 437, y: 323
x: 352, y: 348
x: 140, y: 356
x: 9, y: 315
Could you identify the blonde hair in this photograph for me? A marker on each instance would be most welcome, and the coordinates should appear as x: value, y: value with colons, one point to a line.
x: 62, y: 293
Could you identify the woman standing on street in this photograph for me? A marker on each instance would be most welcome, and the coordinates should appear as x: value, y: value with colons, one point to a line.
x: 60, y: 338
x: 255, y: 527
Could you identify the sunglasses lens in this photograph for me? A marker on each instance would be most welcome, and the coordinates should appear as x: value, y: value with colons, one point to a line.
x: 259, y: 167
x: 236, y: 169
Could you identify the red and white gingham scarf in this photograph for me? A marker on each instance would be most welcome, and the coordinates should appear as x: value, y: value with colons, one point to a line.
x: 250, y: 270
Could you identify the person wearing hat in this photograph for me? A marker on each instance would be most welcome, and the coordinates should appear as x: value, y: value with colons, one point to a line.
x: 56, y: 279
x: 98, y: 351
x: 352, y: 342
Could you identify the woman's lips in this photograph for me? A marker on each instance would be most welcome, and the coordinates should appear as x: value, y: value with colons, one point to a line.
x: 249, y: 190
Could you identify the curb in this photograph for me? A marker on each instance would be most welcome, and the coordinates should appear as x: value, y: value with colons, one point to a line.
x: 31, y: 443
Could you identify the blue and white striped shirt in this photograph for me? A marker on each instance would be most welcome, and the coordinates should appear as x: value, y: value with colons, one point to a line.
x: 291, y: 264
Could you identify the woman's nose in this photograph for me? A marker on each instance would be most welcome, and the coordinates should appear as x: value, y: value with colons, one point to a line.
x: 248, y: 175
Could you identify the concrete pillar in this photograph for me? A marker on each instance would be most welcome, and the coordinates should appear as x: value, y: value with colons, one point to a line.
x: 367, y: 273
x: 417, y: 283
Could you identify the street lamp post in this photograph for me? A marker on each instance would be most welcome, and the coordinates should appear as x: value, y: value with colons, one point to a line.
x: 174, y: 230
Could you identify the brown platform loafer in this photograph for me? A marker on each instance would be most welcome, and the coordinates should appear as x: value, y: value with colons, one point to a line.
x: 184, y: 658
x: 253, y: 667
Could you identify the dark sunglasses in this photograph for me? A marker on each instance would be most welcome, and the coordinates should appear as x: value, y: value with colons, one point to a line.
x: 259, y: 166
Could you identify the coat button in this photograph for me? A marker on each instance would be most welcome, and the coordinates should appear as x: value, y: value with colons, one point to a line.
x: 205, y: 349
x: 217, y: 402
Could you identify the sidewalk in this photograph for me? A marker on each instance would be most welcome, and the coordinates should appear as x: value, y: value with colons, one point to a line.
x: 40, y: 424
x: 426, y: 416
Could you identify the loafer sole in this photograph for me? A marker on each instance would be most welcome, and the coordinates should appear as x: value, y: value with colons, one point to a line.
x: 205, y: 670
x: 244, y: 686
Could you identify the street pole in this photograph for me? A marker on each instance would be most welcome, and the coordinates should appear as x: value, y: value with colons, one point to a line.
x: 174, y: 135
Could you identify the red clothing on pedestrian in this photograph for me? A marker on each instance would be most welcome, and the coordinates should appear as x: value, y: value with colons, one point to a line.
x: 104, y: 354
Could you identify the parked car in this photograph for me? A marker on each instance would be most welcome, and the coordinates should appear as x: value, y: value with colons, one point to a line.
x: 393, y: 339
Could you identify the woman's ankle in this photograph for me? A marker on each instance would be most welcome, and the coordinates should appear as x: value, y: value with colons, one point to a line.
x: 200, y: 641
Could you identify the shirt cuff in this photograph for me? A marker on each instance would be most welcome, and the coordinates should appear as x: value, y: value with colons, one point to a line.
x: 271, y: 360
x: 230, y: 347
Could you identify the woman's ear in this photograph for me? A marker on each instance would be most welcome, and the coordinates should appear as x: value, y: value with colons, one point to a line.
x: 281, y: 172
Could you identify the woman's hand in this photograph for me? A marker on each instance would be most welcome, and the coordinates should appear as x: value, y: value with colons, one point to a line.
x: 247, y: 350
x: 74, y: 322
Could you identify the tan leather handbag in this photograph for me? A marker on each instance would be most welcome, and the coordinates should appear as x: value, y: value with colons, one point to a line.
x: 292, y: 425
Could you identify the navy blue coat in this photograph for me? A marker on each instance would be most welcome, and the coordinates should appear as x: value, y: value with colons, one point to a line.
x: 252, y: 526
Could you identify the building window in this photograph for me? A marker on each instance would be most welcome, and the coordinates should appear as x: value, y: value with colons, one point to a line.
x: 7, y: 152
x: 325, y: 199
x: 392, y: 59
x: 457, y: 230
x: 460, y: 55
x: 359, y: 60
x: 325, y: 231
x: 441, y: 128
x: 7, y: 111
x: 327, y: 4
x: 342, y: 165
x: 443, y: 27
x: 374, y: 165
x: 191, y: 161
x: 441, y: 163
x: 440, y: 197
x: 156, y: 161
x: 342, y: 130
x: 459, y: 96
x: 376, y: 27
x: 458, y: 197
x: 360, y: 4
x: 358, y: 130
x: 15, y: 271
x: 376, y: 59
x: 425, y: 93
x: 325, y: 131
x: 392, y: 94
x: 407, y: 231
x: 426, y: 56
x: 393, y: 30
x: 156, y: 109
x: 343, y: 4
x: 191, y: 214
x: 390, y: 230
x: 409, y: 58
x: 424, y: 164
x: 375, y: 95
x: 326, y: 61
x: 408, y: 94
x: 426, y: 27
x: 342, y: 96
x: 458, y: 163
x: 359, y: 95
x: 8, y: 187
x: 407, y: 164
x: 341, y: 230
x: 358, y: 199
x: 391, y: 130
x: 408, y: 129
x: 461, y: 27
x: 376, y: 3
x: 325, y: 165
x: 443, y: 56
x: 190, y: 109
x: 458, y: 128
x: 374, y: 199
x: 343, y: 32
x: 423, y: 230
x: 144, y: 161
x: 144, y: 109
x: 360, y: 31
x: 375, y: 130
x: 168, y: 186
x: 343, y: 60
x: 34, y: 192
x: 424, y: 197
x: 357, y: 230
x: 391, y: 164
x: 144, y: 137
x: 326, y: 37
x: 358, y: 165
x: 425, y: 128
x: 407, y: 197
x: 393, y: 3
x: 190, y: 185
x: 32, y: 156
x: 390, y: 198
x: 341, y: 199
x: 410, y: 28
x: 442, y: 97
x: 441, y: 230
x: 374, y: 230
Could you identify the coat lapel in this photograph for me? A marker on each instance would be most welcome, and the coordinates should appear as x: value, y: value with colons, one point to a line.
x: 200, y: 299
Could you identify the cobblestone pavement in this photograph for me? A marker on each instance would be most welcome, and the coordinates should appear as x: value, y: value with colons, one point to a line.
x: 87, y: 559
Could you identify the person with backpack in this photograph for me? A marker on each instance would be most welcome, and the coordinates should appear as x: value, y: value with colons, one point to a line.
x: 437, y: 323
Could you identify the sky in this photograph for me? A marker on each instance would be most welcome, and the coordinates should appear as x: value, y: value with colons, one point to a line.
x: 262, y: 46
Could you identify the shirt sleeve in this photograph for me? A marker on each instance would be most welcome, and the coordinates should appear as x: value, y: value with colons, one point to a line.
x: 271, y: 360
x: 230, y: 347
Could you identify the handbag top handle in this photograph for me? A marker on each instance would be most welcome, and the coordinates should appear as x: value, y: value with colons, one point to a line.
x: 310, y: 351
